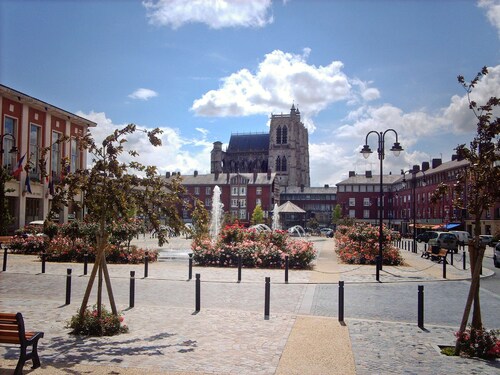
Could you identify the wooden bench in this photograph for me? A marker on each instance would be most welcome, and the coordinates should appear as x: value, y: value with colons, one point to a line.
x: 5, y: 241
x: 439, y: 255
x: 12, y: 332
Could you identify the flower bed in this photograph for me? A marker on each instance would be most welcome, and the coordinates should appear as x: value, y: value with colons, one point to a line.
x: 257, y: 249
x: 359, y: 244
x: 479, y: 343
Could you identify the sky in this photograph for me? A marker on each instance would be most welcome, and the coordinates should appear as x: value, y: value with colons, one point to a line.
x: 201, y: 70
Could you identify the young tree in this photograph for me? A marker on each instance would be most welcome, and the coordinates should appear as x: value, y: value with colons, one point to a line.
x: 257, y: 215
x: 110, y: 191
x: 201, y: 219
x: 337, y: 214
x: 476, y: 189
x: 5, y: 217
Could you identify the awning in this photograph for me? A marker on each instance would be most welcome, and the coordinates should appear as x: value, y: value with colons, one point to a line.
x: 452, y: 225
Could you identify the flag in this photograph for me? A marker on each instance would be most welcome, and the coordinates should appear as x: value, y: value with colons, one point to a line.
x: 19, y: 168
x: 27, y: 183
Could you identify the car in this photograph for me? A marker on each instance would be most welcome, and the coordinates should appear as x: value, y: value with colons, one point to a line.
x: 327, y: 232
x: 486, y: 239
x: 426, y: 236
x: 463, y: 236
x: 445, y: 240
x: 496, y: 255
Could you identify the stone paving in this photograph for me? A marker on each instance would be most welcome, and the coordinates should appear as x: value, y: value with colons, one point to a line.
x: 229, y: 335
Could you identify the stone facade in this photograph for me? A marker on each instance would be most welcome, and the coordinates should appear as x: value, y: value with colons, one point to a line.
x: 284, y: 151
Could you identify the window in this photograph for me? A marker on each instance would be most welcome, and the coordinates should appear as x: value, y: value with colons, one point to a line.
x: 366, y: 214
x: 75, y: 155
x: 352, y: 202
x: 10, y: 127
x: 283, y: 164
x: 56, y: 155
x: 234, y: 190
x: 196, y: 190
x: 284, y: 135
x: 243, y: 214
x: 362, y: 188
x: 366, y: 202
x: 34, y: 151
x: 243, y: 202
x: 234, y: 202
x: 369, y: 188
x: 352, y: 214
x: 208, y: 202
x: 278, y: 164
x: 208, y: 190
x: 278, y: 135
x: 243, y: 190
x: 259, y: 190
x: 258, y: 202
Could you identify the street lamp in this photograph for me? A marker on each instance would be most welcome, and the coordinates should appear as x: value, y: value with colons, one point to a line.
x: 13, y: 150
x: 366, y: 151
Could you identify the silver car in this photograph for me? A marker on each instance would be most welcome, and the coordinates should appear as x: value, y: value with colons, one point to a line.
x: 496, y: 255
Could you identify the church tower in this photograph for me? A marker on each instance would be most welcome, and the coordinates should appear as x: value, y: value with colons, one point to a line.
x: 289, y: 149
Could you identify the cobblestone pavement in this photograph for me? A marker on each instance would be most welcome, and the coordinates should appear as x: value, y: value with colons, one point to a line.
x: 230, y: 335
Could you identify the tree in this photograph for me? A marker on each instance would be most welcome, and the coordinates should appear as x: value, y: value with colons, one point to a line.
x: 111, y: 192
x: 201, y: 219
x: 5, y: 217
x: 475, y: 189
x: 258, y: 215
x: 336, y: 214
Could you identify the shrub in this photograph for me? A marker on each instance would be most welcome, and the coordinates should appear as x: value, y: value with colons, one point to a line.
x: 28, y: 245
x: 479, y: 343
x: 360, y: 244
x: 92, y: 325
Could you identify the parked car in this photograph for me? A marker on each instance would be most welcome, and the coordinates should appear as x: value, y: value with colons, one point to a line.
x: 463, y: 236
x: 445, y: 240
x: 327, y: 232
x: 426, y: 236
x: 486, y: 239
x: 496, y: 255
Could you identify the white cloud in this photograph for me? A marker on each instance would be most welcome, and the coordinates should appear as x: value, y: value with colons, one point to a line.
x: 281, y: 79
x: 216, y: 14
x: 492, y: 12
x: 143, y: 94
x: 175, y: 154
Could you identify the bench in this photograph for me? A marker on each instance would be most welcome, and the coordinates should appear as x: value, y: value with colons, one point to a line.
x: 12, y: 332
x: 433, y: 254
x: 5, y: 241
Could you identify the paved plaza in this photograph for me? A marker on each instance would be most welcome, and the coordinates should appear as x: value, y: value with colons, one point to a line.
x: 229, y: 335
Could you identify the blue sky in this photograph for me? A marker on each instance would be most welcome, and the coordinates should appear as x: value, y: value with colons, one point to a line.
x: 202, y: 69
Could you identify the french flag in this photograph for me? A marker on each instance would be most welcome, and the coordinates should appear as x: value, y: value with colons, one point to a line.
x: 19, y: 168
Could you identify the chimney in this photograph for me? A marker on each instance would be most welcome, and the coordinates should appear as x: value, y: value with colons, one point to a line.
x: 352, y: 173
x: 425, y: 166
x: 368, y: 174
x: 167, y: 174
x: 227, y: 178
x: 216, y: 175
x: 178, y: 173
x: 436, y: 163
x: 454, y: 157
x: 254, y: 177
x: 268, y: 174
x: 302, y: 188
x: 416, y: 168
x: 195, y: 173
x: 327, y: 186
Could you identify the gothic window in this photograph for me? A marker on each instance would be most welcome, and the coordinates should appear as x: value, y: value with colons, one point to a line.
x: 283, y: 164
x: 278, y: 164
x: 278, y: 135
x: 284, y: 135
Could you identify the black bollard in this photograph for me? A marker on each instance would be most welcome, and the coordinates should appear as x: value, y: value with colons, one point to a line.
x: 404, y: 245
x: 43, y: 261
x: 4, y: 267
x: 421, y: 306
x: 267, y: 298
x: 85, y: 263
x: 451, y: 256
x: 190, y: 274
x: 198, y: 293
x: 444, y: 268
x: 464, y: 261
x: 132, y: 290
x: 239, y: 268
x: 68, y: 286
x: 146, y: 261
x: 377, y: 263
x: 287, y: 263
x: 341, y: 301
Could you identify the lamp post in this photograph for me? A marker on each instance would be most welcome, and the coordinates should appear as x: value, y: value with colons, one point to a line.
x: 366, y: 151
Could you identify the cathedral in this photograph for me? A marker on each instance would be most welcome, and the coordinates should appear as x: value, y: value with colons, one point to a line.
x: 284, y: 150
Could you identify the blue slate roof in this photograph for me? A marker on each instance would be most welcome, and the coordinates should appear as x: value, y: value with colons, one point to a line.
x: 249, y: 142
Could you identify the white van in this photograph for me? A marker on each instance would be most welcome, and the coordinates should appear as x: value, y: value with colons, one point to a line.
x: 463, y: 236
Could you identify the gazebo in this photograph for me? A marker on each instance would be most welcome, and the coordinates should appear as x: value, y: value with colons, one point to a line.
x: 291, y: 214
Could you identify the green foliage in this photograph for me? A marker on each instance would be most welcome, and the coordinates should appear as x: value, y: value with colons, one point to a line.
x: 91, y: 324
x: 479, y: 343
x: 337, y: 214
x: 201, y: 219
x: 5, y: 217
x: 313, y: 223
x: 258, y: 215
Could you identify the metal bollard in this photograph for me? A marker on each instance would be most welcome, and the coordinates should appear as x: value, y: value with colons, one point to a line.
x: 377, y: 263
x: 68, y: 286
x: 451, y: 256
x: 132, y: 290
x: 198, y: 293
x: 341, y: 301
x: 464, y: 261
x: 190, y: 274
x: 239, y: 268
x: 43, y: 261
x: 421, y: 306
x: 267, y: 297
x: 444, y: 268
x: 287, y: 263
x: 404, y: 245
x: 146, y: 261
x: 85, y: 263
x: 4, y: 267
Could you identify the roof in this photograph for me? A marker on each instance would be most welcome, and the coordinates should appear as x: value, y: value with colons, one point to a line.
x: 309, y: 190
x: 289, y: 207
x: 375, y: 179
x: 209, y: 179
x: 248, y: 142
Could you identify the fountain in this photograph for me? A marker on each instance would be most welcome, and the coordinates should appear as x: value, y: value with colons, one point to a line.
x: 216, y: 216
x: 276, y: 218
